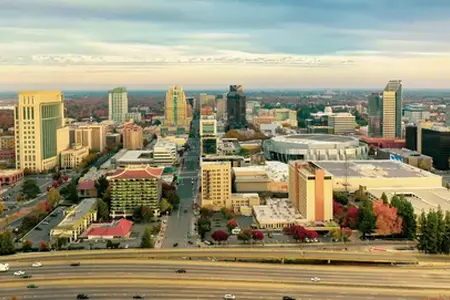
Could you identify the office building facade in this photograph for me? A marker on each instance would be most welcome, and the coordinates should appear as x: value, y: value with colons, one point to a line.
x: 392, y: 109
x: 133, y: 137
x: 165, y: 153
x: 92, y: 136
x: 215, y: 184
x: 40, y: 131
x: 118, y: 104
x: 175, y: 107
x: 375, y: 113
x: 342, y: 123
x: 236, y: 108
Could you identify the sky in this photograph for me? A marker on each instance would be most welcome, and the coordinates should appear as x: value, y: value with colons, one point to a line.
x: 99, y: 44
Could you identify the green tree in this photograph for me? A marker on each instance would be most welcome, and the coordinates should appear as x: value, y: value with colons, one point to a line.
x: 2, y: 206
x: 367, y: 219
x: 146, y: 241
x: 70, y: 192
x: 204, y: 226
x: 53, y: 197
x: 7, y: 243
x: 340, y: 198
x: 446, y: 237
x: 102, y: 210
x: 440, y: 233
x: 405, y: 210
x: 385, y: 198
x: 245, y: 235
x: 146, y: 214
x: 61, y: 242
x: 101, y: 185
x: 173, y: 199
x: 430, y: 232
x: 422, y: 238
x: 165, y: 205
x: 30, y: 189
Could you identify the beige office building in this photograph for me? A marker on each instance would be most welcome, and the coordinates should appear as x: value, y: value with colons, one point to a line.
x: 133, y: 137
x: 175, y: 107
x: 221, y: 107
x: 72, y: 158
x: 311, y: 190
x: 40, y: 131
x: 118, y: 104
x: 215, y: 184
x: 392, y: 109
x: 342, y: 123
x: 92, y: 136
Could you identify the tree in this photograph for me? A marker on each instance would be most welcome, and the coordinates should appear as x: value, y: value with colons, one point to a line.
x: 61, y: 242
x: 206, y: 212
x: 43, y: 246
x: 7, y: 243
x: 165, y: 205
x: 2, y: 207
x: 422, y: 238
x: 53, y: 197
x: 232, y: 224
x: 30, y: 189
x: 146, y: 214
x: 204, y: 226
x: 367, y: 219
x: 227, y: 213
x: 102, y: 210
x: 405, y: 210
x: 20, y: 198
x: 387, y: 222
x: 340, y: 198
x: 70, y: 192
x: 257, y: 235
x: 101, y: 186
x: 446, y: 237
x: 245, y: 235
x: 146, y: 241
x: 27, y: 245
x: 220, y: 236
x: 44, y: 207
x: 385, y: 198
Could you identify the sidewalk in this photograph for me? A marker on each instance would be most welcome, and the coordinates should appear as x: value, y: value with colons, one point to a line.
x: 162, y: 233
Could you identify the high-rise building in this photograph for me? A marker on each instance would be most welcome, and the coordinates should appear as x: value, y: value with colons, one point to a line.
x: 342, y: 123
x: 135, y: 187
x: 375, y: 112
x: 221, y: 106
x: 311, y: 190
x: 215, y: 184
x: 92, y: 136
x: 208, y: 134
x: 236, y: 107
x: 118, y: 104
x: 392, y: 109
x: 175, y: 107
x: 133, y: 137
x: 40, y: 131
x: 203, y: 100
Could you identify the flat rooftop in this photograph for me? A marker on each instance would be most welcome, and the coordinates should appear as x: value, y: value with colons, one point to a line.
x: 274, y: 170
x: 245, y: 195
x: 78, y: 212
x: 280, y: 211
x: 135, y: 156
x: 326, y: 138
x: 402, y: 152
x: 373, y: 169
x: 217, y: 163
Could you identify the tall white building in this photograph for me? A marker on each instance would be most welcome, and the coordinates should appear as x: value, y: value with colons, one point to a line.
x: 118, y: 104
x: 343, y: 123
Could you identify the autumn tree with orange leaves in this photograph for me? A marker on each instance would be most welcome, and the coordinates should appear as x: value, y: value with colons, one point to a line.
x: 388, y: 222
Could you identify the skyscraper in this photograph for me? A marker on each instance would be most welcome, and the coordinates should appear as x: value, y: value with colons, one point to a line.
x: 236, y: 107
x: 40, y: 132
x: 392, y: 109
x: 118, y: 104
x: 175, y: 107
x: 375, y: 112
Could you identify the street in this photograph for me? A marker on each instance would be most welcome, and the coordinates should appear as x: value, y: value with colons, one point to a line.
x: 180, y: 223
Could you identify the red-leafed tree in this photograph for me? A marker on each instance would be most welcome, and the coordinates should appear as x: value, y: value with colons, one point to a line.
x: 220, y: 236
x: 66, y: 178
x: 257, y: 235
x: 338, y: 210
x: 43, y: 246
x: 388, y: 222
x: 310, y: 234
x: 352, y: 217
x: 44, y: 206
x: 346, y: 232
x: 232, y: 224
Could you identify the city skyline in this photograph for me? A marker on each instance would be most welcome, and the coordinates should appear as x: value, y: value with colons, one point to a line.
x: 260, y: 44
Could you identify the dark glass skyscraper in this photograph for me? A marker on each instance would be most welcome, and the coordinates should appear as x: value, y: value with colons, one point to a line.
x: 236, y: 107
x: 375, y: 112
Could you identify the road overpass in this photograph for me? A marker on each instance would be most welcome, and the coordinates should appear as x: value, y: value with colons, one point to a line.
x: 157, y: 279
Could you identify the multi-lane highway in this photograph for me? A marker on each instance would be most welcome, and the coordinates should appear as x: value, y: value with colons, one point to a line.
x: 157, y: 279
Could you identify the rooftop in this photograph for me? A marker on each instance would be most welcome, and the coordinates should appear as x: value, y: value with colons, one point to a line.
x: 118, y: 90
x: 137, y: 173
x: 77, y: 213
x: 276, y: 211
x: 402, y: 152
x: 315, y: 138
x: 217, y: 163
x: 116, y: 228
x: 9, y: 172
x: 275, y: 171
x: 372, y: 169
x: 133, y: 155
x: 245, y: 195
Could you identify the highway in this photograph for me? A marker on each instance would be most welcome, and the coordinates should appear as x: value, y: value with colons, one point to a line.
x: 156, y: 279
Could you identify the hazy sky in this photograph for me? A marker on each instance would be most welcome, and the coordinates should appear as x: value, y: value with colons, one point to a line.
x: 213, y: 43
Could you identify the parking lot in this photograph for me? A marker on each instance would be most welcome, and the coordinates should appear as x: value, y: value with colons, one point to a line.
x: 42, y: 231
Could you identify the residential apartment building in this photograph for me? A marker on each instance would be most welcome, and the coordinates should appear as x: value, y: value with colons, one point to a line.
x: 118, y: 104
x: 72, y: 158
x: 135, y: 187
x: 311, y: 190
x: 175, y: 107
x: 215, y: 184
x: 236, y: 108
x: 165, y: 153
x: 342, y: 123
x: 40, y: 131
x: 133, y: 137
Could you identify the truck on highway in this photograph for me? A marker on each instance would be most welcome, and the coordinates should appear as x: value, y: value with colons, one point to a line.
x: 4, y: 267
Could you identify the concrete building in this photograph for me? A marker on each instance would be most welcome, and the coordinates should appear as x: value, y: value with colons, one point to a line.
x: 7, y: 142
x: 10, y: 177
x: 276, y: 214
x: 133, y: 137
x: 112, y: 140
x: 77, y: 219
x: 416, y: 114
x: 311, y: 190
x: 127, y: 158
x: 208, y: 126
x: 120, y: 229
x: 92, y: 136
x: 342, y: 123
x: 272, y: 177
x: 314, y: 147
x: 135, y: 116
x: 72, y: 158
x: 375, y: 113
x: 392, y: 109
x: 165, y: 153
x: 208, y: 135
x: 175, y: 107
x: 221, y: 107
x: 134, y: 187
x: 117, y: 104
x: 236, y: 113
x: 215, y: 184
x: 407, y: 156
x: 40, y: 130
x: 320, y: 130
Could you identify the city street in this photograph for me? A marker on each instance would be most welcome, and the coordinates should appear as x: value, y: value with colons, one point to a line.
x: 180, y: 223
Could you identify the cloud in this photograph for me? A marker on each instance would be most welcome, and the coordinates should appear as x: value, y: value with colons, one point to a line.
x: 327, y: 35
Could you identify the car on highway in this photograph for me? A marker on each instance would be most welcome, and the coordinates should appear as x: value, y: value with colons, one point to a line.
x: 287, y: 298
x: 82, y: 296
x: 19, y: 273
x: 75, y: 264
x: 26, y: 276
x: 175, y: 245
x: 315, y: 279
x: 32, y: 286
x: 180, y: 271
x: 138, y: 297
x: 36, y: 265
x: 229, y: 297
